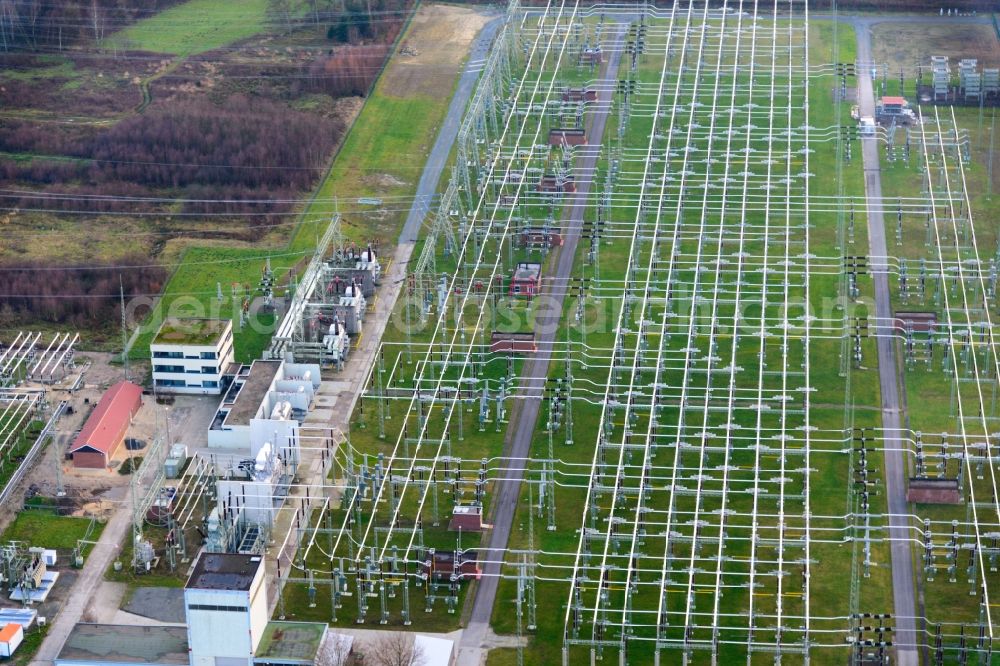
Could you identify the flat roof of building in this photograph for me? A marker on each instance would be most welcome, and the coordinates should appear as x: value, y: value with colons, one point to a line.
x: 527, y: 271
x: 224, y: 571
x: 290, y: 642
x: 23, y: 616
x: 200, y: 331
x: 126, y: 644
x: 255, y: 387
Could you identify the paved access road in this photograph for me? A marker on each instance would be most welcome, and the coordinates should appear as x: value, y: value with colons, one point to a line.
x: 893, y: 408
x: 524, y: 417
x: 903, y: 595
x: 427, y: 187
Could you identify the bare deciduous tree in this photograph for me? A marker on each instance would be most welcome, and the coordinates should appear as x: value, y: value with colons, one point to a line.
x: 396, y: 648
x: 334, y: 651
x: 97, y: 20
x: 74, y: 295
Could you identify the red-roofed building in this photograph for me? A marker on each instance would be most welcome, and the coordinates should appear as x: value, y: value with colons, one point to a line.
x: 526, y: 279
x: 891, y: 106
x: 104, y: 432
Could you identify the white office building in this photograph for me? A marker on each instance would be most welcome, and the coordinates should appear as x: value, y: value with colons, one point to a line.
x: 192, y: 356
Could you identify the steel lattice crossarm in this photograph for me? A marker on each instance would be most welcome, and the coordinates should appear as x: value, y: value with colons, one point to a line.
x: 691, y: 170
x: 492, y: 213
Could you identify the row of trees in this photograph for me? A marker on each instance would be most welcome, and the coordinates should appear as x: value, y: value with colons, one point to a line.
x: 246, y: 141
x: 369, y: 27
x: 368, y: 20
x: 347, y: 21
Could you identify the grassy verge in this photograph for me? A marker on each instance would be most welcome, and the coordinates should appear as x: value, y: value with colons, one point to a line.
x: 382, y: 156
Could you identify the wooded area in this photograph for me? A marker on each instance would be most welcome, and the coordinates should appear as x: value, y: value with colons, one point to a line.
x: 218, y: 159
x: 74, y: 295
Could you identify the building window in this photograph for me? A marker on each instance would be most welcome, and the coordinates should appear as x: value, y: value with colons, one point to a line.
x: 167, y: 354
x: 209, y: 370
x: 210, y: 384
x: 208, y: 355
x: 213, y: 607
x: 170, y: 382
x: 168, y: 368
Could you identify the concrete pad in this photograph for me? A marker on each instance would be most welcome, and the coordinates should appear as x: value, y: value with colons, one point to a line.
x: 40, y: 594
x: 329, y: 387
x: 164, y: 604
x: 105, y: 602
x: 320, y: 416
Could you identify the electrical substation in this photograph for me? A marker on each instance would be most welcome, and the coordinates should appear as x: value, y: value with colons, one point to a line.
x: 625, y: 388
x: 692, y: 362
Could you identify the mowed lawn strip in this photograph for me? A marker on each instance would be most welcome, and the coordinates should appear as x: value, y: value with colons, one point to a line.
x: 382, y: 157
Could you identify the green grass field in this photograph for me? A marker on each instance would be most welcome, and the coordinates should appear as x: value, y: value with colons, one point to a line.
x: 193, y: 27
x: 47, y: 530
x: 392, y: 136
